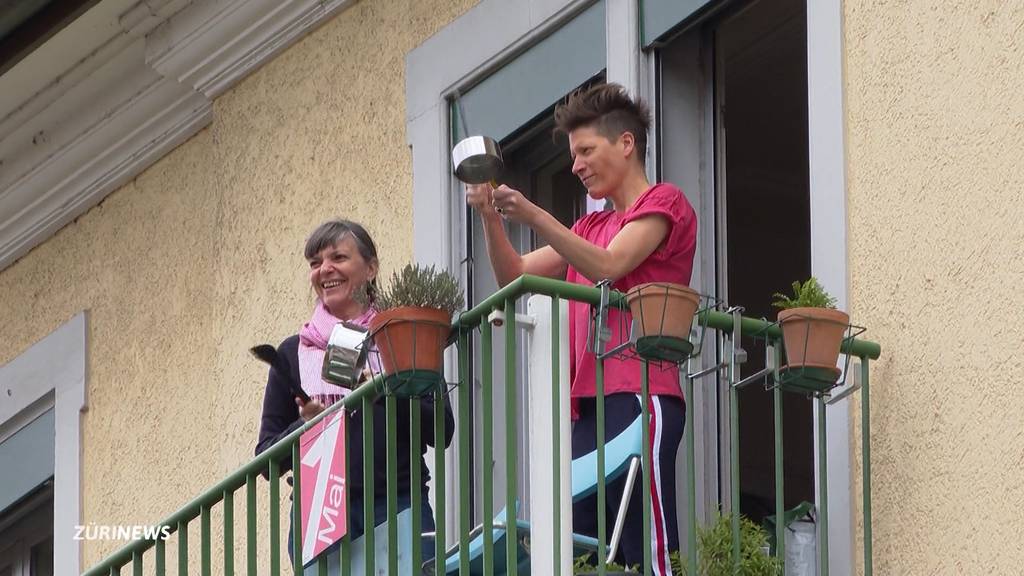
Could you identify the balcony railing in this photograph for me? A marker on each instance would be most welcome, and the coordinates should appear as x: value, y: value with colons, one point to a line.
x: 150, y: 556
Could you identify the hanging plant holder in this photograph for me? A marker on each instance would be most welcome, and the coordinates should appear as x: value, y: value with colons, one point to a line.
x: 813, y: 339
x: 410, y: 343
x: 662, y: 316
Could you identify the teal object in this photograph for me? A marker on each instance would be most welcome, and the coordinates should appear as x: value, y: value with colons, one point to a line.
x: 620, y: 452
x: 412, y: 383
x: 663, y: 348
x: 808, y: 379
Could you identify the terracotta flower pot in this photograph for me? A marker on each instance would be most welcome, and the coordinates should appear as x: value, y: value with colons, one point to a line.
x: 812, y: 336
x: 663, y: 309
x: 411, y: 338
x: 663, y: 313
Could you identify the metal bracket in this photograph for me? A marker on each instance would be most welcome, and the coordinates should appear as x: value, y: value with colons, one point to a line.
x: 706, y: 371
x: 601, y: 334
x: 850, y: 389
x: 497, y: 319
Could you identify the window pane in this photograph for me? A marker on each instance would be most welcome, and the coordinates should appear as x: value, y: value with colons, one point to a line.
x: 42, y: 558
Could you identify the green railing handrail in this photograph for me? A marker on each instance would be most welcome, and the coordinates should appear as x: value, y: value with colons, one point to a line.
x: 467, y: 321
x: 529, y: 284
x: 236, y: 480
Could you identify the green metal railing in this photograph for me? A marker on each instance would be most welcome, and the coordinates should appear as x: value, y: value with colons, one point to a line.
x: 145, y: 553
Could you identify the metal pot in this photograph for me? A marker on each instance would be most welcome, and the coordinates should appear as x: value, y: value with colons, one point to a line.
x: 477, y: 159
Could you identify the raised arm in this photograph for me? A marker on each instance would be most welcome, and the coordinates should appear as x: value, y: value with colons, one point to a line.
x: 631, y: 246
x: 506, y: 262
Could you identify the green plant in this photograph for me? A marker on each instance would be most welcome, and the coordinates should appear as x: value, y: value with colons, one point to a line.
x: 810, y: 294
x: 582, y: 565
x: 714, y: 545
x: 421, y: 286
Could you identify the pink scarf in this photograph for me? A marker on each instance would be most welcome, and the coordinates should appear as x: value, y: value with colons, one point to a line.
x: 313, y: 340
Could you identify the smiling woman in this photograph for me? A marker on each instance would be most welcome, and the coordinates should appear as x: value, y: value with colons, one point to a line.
x: 342, y: 259
x: 343, y: 269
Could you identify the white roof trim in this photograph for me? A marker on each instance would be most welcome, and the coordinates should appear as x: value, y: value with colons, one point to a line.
x: 146, y: 90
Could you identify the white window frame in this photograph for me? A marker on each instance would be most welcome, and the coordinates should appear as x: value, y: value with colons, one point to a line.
x: 498, y: 29
x: 52, y: 372
x: 827, y: 161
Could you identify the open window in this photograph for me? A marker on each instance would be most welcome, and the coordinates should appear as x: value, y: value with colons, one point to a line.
x: 733, y: 120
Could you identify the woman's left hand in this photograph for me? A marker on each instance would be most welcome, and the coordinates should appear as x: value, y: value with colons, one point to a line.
x: 511, y: 204
x: 308, y: 410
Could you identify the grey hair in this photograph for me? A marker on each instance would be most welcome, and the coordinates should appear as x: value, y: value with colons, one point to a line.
x: 333, y: 231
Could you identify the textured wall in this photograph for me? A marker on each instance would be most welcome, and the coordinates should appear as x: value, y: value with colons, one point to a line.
x: 935, y: 127
x: 200, y: 257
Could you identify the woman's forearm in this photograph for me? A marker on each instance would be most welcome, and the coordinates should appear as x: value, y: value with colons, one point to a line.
x: 505, y: 260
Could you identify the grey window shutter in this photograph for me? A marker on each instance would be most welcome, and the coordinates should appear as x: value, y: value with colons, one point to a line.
x: 536, y: 79
x: 32, y: 448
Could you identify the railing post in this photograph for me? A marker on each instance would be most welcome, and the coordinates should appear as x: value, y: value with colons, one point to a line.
x: 183, y: 548
x: 369, y: 518
x: 345, y: 558
x: 865, y: 438
x: 229, y: 533
x: 250, y: 517
x: 297, y: 527
x: 780, y: 494
x: 734, y: 435
x: 465, y: 449
x: 487, y: 378
x: 556, y: 429
x: 691, y: 474
x: 415, y: 482
x: 391, y: 418
x: 823, y: 490
x: 275, y: 518
x: 511, y: 413
x: 602, y: 497
x: 204, y: 540
x: 161, y: 557
x: 645, y: 453
x: 439, y: 483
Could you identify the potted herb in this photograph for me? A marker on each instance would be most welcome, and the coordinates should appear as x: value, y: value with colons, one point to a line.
x: 662, y: 313
x: 812, y: 329
x: 714, y: 545
x: 411, y: 327
x: 582, y: 566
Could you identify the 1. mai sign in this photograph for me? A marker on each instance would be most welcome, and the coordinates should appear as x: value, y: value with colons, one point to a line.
x: 322, y: 485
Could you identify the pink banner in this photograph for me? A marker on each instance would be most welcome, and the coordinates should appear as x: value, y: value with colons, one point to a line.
x: 322, y: 485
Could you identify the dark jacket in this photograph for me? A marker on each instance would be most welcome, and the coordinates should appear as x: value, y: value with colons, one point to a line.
x: 281, y: 417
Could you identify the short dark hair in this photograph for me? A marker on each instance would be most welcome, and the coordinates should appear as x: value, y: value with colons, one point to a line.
x: 608, y: 109
x: 333, y: 231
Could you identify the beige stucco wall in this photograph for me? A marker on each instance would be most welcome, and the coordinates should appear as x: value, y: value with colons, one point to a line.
x: 200, y: 257
x: 935, y: 136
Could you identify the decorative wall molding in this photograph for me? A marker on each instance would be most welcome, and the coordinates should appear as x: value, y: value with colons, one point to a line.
x: 146, y: 90
x: 214, y: 44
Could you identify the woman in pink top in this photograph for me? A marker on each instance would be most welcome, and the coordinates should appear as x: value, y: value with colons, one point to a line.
x: 649, y: 235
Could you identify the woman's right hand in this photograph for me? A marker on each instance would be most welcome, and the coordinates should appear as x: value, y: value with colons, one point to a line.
x: 479, y: 197
x: 308, y: 410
